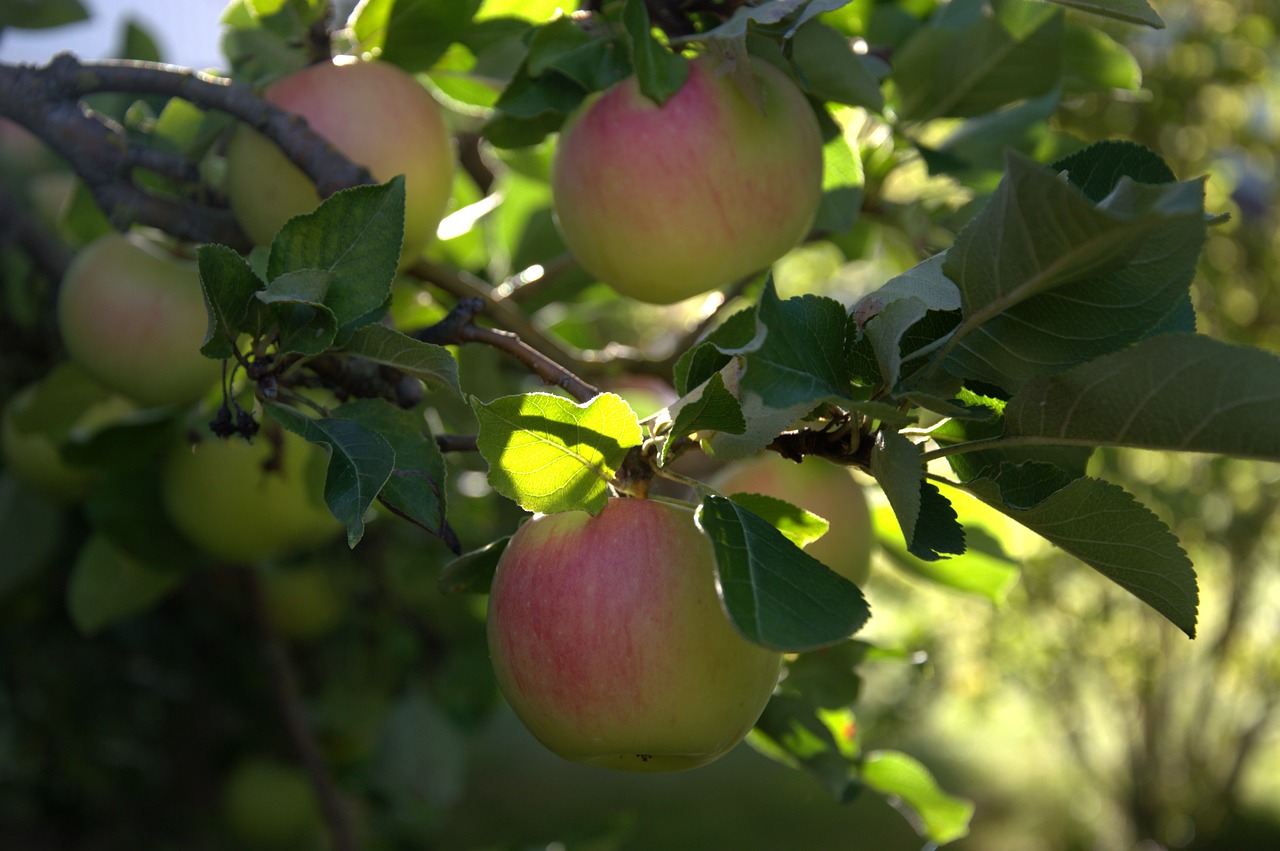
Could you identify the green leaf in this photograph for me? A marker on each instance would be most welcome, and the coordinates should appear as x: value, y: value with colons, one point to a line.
x: 472, y: 573
x: 884, y: 332
x: 297, y: 299
x: 792, y: 732
x: 125, y: 509
x: 1098, y: 168
x: 107, y: 586
x: 925, y: 281
x: 702, y: 361
x: 989, y: 574
x: 412, y: 34
x: 1097, y: 62
x: 549, y: 454
x: 929, y: 524
x: 1130, y: 11
x: 1049, y: 280
x: 415, y: 489
x: 798, y: 354
x: 965, y: 63
x: 1106, y: 528
x: 797, y: 525
x: 830, y: 71
x: 354, y: 235
x: 777, y: 595
x: 942, y: 817
x: 842, y: 182
x: 1181, y: 392
x: 659, y: 72
x: 432, y: 364
x: 360, y: 463
x: 713, y: 409
x: 564, y: 47
x: 229, y: 286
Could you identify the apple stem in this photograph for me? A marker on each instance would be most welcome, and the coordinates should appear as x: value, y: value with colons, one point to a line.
x: 283, y: 679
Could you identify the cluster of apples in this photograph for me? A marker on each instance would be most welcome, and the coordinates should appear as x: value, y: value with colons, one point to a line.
x: 606, y: 632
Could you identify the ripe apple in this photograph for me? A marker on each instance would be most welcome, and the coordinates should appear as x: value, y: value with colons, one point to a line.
x: 133, y: 317
x: 666, y: 202
x: 220, y: 494
x: 373, y: 112
x: 608, y: 639
x: 821, y: 487
x: 269, y: 804
x: 33, y: 456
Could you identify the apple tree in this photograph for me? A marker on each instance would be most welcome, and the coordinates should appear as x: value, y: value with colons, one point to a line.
x: 294, y: 348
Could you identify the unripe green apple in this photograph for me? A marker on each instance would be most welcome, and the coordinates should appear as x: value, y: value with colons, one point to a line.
x: 304, y: 601
x: 222, y: 496
x: 821, y: 487
x: 375, y: 114
x: 271, y: 805
x: 133, y: 317
x: 33, y: 457
x: 609, y: 641
x: 666, y: 202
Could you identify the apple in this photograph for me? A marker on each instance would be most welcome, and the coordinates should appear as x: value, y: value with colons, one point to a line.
x: 222, y: 496
x: 821, y: 487
x: 269, y: 804
x: 133, y: 317
x: 304, y: 601
x: 608, y: 639
x: 666, y: 202
x: 34, y: 457
x: 379, y: 116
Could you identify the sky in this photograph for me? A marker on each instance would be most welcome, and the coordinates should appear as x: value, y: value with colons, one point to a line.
x: 186, y: 30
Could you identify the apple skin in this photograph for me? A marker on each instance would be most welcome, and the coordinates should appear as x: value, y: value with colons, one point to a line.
x: 134, y: 318
x: 219, y: 496
x: 608, y: 639
x: 821, y: 487
x: 666, y: 202
x: 375, y: 114
x: 268, y: 804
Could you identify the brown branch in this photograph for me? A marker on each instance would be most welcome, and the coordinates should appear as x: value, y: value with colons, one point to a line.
x: 457, y: 442
x: 46, y: 100
x: 285, y: 691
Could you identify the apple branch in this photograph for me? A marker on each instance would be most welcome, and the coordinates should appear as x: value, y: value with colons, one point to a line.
x: 284, y: 690
x: 47, y: 101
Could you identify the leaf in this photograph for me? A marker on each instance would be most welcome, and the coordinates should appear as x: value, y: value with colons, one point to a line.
x: 975, y: 572
x: 229, y: 286
x: 775, y: 594
x: 31, y: 533
x: 708, y: 357
x: 1130, y: 11
x: 764, y: 422
x: 412, y: 34
x: 126, y: 510
x: 830, y: 71
x: 415, y: 489
x: 714, y: 409
x: 297, y: 301
x: 472, y: 573
x: 1180, y: 392
x: 929, y: 524
x: 842, y: 182
x: 1097, y: 62
x: 432, y: 364
x: 792, y: 732
x: 797, y: 525
x: 925, y: 281
x: 659, y: 72
x: 884, y: 332
x: 549, y: 454
x: 355, y: 236
x: 798, y: 354
x: 1049, y: 280
x: 1097, y: 169
x: 1106, y: 528
x: 45, y: 14
x: 107, y: 586
x: 941, y: 817
x: 360, y: 463
x: 964, y: 63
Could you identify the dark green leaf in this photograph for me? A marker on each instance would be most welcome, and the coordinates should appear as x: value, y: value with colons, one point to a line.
x: 708, y: 357
x: 1097, y: 169
x: 430, y: 363
x: 928, y: 521
x: 1106, y: 528
x: 307, y: 326
x: 1097, y: 62
x: 1182, y: 392
x: 126, y: 510
x: 229, y: 286
x: 775, y: 594
x: 360, y: 463
x: 31, y: 529
x: 659, y: 72
x: 1130, y: 11
x: 842, y: 182
x: 472, y: 573
x: 714, y: 409
x: 41, y: 14
x: 830, y: 71
x: 793, y: 733
x: 797, y: 525
x: 413, y: 34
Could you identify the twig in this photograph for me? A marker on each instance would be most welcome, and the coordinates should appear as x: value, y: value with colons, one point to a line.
x: 284, y: 689
x: 459, y: 327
